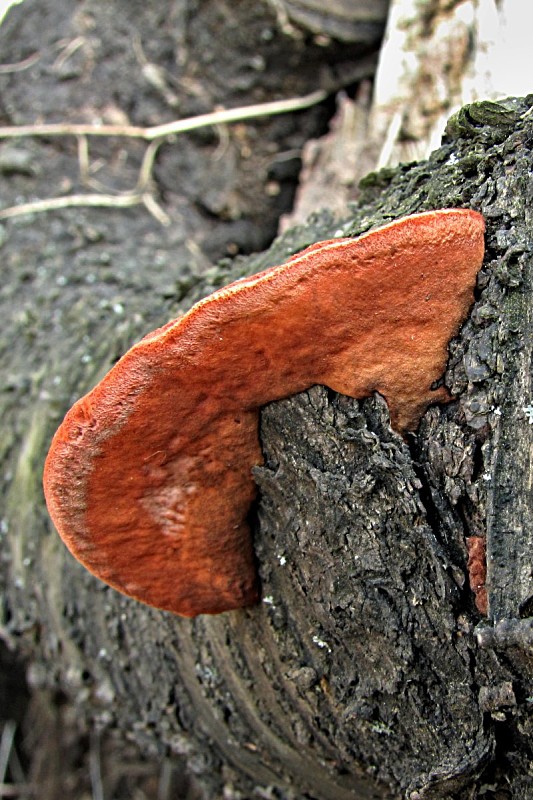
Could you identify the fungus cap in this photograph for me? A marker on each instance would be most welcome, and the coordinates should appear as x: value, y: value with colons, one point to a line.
x: 149, y: 477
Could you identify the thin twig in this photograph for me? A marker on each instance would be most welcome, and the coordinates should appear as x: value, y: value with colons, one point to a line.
x: 83, y: 159
x: 19, y: 66
x: 71, y: 201
x: 153, y: 207
x: 84, y: 164
x: 226, y: 115
x: 145, y: 171
x: 67, y: 51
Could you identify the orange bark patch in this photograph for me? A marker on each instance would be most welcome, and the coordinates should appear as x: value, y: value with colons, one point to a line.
x: 477, y: 571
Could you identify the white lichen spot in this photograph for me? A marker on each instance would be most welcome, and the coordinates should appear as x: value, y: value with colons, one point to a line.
x: 282, y: 560
x: 322, y: 644
x: 528, y: 411
x: 381, y: 728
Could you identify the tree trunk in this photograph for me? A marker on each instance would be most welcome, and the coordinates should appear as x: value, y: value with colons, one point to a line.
x: 367, y: 671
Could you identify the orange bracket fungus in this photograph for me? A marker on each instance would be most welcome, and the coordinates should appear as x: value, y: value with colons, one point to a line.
x: 149, y: 477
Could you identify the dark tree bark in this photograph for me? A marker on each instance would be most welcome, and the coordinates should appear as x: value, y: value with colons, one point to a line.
x: 366, y: 671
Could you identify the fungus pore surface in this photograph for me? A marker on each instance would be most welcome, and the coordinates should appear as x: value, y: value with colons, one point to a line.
x: 149, y: 477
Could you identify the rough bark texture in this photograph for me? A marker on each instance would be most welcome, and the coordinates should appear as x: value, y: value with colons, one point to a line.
x: 366, y: 672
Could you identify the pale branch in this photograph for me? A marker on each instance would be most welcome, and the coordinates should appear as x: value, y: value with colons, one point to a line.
x: 363, y: 69
x: 20, y: 66
x: 220, y: 117
x: 70, y: 201
x: 155, y: 135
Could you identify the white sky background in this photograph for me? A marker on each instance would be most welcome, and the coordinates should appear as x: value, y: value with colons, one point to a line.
x: 504, y: 65
x: 5, y: 4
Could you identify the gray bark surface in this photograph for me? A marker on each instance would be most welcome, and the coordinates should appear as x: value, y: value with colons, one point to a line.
x: 366, y: 671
